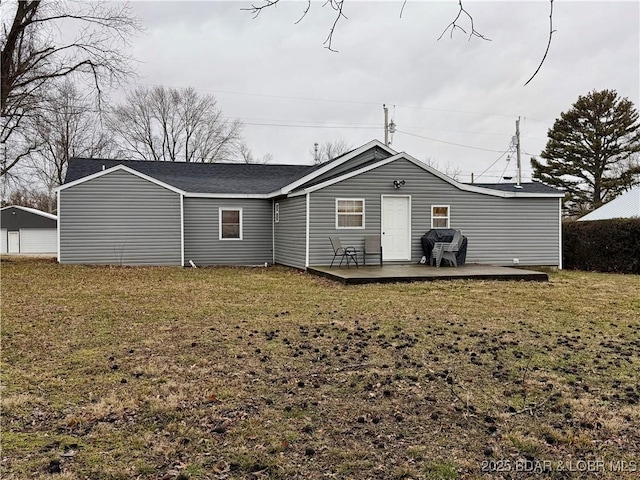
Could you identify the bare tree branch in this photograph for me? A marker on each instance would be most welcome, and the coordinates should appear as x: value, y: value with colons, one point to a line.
x: 453, y: 25
x: 257, y: 9
x: 551, y: 31
x: 36, y: 55
x: 304, y: 14
x: 337, y: 5
x: 66, y: 127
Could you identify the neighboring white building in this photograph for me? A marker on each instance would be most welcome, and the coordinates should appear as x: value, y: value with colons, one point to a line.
x: 27, y: 230
x: 626, y: 205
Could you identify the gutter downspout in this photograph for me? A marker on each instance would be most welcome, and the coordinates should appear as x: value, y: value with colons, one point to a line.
x: 182, y: 230
x: 58, y: 193
x: 560, y: 234
x: 306, y: 260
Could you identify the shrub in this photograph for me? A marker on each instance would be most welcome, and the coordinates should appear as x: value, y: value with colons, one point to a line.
x: 602, y: 245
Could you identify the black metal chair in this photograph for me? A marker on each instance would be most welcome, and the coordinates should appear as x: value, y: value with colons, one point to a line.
x: 348, y: 253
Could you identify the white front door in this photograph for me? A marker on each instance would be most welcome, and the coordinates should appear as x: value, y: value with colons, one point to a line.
x: 396, y: 227
x: 14, y: 242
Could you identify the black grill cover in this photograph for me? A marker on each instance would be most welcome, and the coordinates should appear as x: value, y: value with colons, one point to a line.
x: 434, y: 235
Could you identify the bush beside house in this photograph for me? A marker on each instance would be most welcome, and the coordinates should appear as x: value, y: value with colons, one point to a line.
x: 603, y: 245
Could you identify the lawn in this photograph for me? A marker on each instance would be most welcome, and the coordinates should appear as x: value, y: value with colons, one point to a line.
x: 119, y: 373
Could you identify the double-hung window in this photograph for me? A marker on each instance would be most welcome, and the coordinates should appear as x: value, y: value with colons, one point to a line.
x: 440, y: 216
x: 349, y: 213
x: 230, y: 226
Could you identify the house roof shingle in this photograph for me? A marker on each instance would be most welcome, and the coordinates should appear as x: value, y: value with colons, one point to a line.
x: 222, y: 178
x: 244, y: 179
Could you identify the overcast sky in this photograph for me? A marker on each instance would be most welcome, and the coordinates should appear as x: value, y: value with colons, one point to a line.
x: 290, y: 91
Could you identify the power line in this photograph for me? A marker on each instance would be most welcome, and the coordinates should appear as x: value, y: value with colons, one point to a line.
x: 266, y: 95
x: 352, y: 102
x: 466, y: 112
x: 496, y: 161
x: 360, y: 124
x: 307, y: 126
x: 450, y: 143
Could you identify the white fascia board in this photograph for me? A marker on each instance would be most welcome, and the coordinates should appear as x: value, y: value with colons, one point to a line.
x: 32, y: 210
x: 442, y: 176
x: 107, y: 171
x: 333, y: 164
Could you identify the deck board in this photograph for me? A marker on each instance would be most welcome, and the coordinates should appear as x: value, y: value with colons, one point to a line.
x: 425, y: 273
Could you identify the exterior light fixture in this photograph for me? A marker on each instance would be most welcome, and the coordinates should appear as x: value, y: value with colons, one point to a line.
x: 398, y: 183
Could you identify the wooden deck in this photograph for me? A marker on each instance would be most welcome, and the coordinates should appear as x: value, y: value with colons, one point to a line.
x: 424, y: 273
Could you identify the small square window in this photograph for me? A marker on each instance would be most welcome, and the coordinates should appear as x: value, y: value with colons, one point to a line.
x: 440, y: 216
x: 349, y: 213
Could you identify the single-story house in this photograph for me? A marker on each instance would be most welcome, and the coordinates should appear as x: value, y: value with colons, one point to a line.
x: 163, y: 213
x: 27, y: 230
x: 626, y: 205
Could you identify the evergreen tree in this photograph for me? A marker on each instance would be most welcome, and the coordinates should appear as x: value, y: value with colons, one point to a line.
x: 591, y: 151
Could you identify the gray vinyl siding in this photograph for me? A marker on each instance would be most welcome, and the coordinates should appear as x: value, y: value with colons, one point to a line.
x: 202, y: 242
x: 119, y: 219
x: 290, y: 232
x: 498, y: 229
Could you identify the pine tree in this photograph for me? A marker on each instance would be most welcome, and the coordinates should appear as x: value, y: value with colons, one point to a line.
x: 591, y: 151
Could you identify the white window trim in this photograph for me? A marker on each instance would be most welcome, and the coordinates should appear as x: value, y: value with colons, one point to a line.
x: 448, y: 217
x: 363, y: 213
x: 276, y: 213
x: 222, y: 209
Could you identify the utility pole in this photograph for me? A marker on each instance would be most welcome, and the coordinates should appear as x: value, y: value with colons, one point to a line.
x: 389, y: 128
x: 386, y: 124
x: 518, y: 164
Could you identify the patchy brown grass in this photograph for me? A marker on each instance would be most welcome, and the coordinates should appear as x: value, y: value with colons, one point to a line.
x: 117, y: 373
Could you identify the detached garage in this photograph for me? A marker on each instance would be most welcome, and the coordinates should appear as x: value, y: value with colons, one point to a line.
x: 27, y: 230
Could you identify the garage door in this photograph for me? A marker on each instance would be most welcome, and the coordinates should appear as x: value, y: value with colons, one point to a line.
x: 38, y: 240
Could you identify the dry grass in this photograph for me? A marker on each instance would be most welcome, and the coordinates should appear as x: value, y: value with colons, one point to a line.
x: 117, y: 373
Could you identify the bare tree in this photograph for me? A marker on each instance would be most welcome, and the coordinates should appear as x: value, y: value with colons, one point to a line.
x: 449, y: 169
x: 36, y: 53
x: 329, y: 150
x: 27, y: 197
x: 168, y: 124
x: 247, y: 155
x: 67, y: 126
x: 463, y: 21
